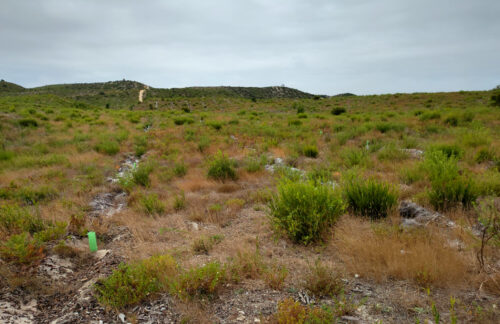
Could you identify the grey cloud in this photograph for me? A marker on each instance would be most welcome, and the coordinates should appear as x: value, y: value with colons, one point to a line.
x: 319, y: 46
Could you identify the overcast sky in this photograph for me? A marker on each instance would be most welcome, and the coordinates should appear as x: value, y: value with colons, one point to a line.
x: 319, y: 46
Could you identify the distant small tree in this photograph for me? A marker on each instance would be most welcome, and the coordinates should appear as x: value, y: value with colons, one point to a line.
x: 496, y: 98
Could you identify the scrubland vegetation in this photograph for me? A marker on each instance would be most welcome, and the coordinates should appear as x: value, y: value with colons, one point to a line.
x: 233, y: 196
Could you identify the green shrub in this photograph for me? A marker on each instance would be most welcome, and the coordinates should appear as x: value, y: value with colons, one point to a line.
x: 450, y: 150
x: 299, y: 107
x: 323, y: 281
x: 310, y: 151
x: 15, y: 220
x: 304, y: 210
x: 495, y: 99
x: 353, y: 157
x: 475, y: 136
x: 467, y: 116
x: 290, y: 311
x: 369, y: 198
x: 140, y: 175
x: 215, y: 125
x: 451, y: 120
x: 22, y: 250
x: 180, y: 170
x: 203, y: 281
x: 151, y: 205
x: 301, y: 116
x: 391, y: 153
x: 446, y: 194
x: 131, y: 284
x: 6, y: 155
x: 338, y: 111
x: 203, y: 143
x: 28, y: 122
x: 485, y: 155
x: 294, y: 122
x: 203, y: 245
x: 180, y: 201
x: 51, y: 233
x: 430, y: 115
x: 254, y: 164
x: 488, y: 183
x: 107, y: 146
x: 221, y: 167
x: 140, y: 145
x: 448, y: 187
x: 386, y: 127
x: 411, y: 175
x: 32, y: 196
x: 320, y: 175
x: 183, y: 120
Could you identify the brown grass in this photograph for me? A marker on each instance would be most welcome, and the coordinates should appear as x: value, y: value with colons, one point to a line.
x: 382, y: 252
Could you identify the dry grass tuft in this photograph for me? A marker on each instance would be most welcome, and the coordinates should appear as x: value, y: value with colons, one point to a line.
x: 381, y: 251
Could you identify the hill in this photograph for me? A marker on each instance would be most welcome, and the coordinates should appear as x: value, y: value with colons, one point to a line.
x: 9, y: 87
x: 125, y: 93
x: 236, y: 92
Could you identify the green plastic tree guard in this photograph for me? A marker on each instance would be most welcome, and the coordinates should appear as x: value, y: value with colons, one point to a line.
x: 92, y: 241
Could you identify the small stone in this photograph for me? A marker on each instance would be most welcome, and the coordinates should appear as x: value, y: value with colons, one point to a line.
x: 100, y: 254
x: 256, y: 320
x: 350, y: 318
x: 121, y: 316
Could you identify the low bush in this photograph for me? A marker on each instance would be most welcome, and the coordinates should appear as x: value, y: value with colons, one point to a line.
x: 22, y: 249
x: 6, y: 155
x: 495, y: 99
x: 107, y: 146
x: 391, y: 153
x: 451, y: 120
x: 485, y: 155
x: 51, y: 233
x: 222, y: 168
x: 180, y: 201
x: 151, y: 205
x: 28, y: 122
x: 338, y: 111
x: 310, y: 151
x: 254, y: 164
x: 448, y: 187
x: 446, y: 194
x: 450, y: 150
x: 203, y: 245
x: 304, y: 210
x: 290, y: 311
x: 322, y: 281
x: 200, y: 282
x: 16, y: 220
x: 32, y: 196
x: 203, y: 143
x: 353, y: 157
x: 386, y: 127
x: 133, y: 283
x: 180, y: 170
x: 183, y: 120
x: 140, y: 175
x: 320, y: 175
x: 140, y: 145
x: 275, y: 276
x: 215, y: 125
x: 369, y: 198
x: 430, y: 115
